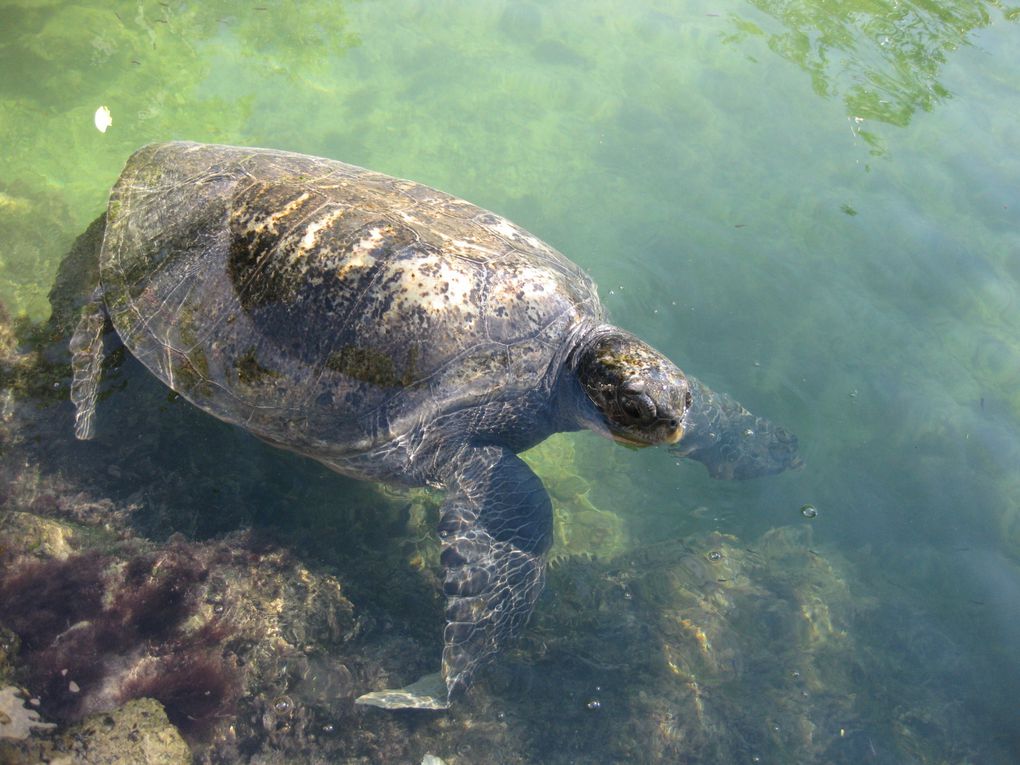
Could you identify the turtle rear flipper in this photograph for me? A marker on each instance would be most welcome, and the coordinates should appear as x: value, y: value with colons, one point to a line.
x: 428, y: 692
x: 496, y: 527
x: 87, y: 365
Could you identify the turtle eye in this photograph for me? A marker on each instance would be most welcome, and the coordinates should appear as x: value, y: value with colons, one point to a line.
x: 638, y: 406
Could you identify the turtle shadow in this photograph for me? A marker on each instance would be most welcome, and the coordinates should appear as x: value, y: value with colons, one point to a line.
x: 160, y: 467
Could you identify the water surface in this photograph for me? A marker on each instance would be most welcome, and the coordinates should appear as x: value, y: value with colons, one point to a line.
x: 812, y: 206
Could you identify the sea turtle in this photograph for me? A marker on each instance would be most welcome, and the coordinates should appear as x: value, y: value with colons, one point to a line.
x: 394, y: 333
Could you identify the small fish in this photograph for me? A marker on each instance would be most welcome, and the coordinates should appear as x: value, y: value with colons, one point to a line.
x: 102, y: 119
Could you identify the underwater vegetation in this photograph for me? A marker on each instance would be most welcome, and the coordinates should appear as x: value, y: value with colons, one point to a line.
x: 95, y: 635
x: 706, y: 649
x: 225, y: 636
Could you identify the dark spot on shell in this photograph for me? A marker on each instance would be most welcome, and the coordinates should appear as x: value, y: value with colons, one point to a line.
x: 249, y: 371
x: 371, y: 366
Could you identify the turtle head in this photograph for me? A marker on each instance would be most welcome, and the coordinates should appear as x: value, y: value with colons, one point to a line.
x: 641, y: 396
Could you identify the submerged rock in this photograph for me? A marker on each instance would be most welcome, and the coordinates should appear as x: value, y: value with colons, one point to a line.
x: 17, y: 720
x: 137, y: 733
x: 34, y: 536
x: 580, y: 527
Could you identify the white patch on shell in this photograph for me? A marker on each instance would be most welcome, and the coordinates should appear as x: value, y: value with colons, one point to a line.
x: 360, y: 255
x: 433, y: 284
x: 515, y: 234
x: 367, y: 243
x: 469, y: 248
x: 269, y: 222
x: 311, y: 237
x: 534, y: 283
x: 525, y: 300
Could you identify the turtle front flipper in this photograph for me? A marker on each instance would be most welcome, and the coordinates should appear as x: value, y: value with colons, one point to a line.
x: 496, y: 527
x: 730, y: 441
x: 87, y: 365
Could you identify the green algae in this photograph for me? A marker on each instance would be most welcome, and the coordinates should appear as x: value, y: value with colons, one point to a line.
x: 250, y: 371
x: 750, y: 649
x: 137, y: 732
x: 579, y: 526
x: 372, y: 366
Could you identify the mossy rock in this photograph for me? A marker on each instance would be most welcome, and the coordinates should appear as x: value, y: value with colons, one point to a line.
x: 33, y: 535
x: 137, y: 733
x: 580, y: 528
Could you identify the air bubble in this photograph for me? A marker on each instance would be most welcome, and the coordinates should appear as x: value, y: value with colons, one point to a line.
x: 283, y: 705
x: 809, y: 511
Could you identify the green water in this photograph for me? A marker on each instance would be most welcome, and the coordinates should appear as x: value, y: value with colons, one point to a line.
x: 814, y: 206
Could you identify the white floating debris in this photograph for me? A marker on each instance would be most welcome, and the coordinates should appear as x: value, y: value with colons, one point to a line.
x: 431, y: 759
x: 103, y: 119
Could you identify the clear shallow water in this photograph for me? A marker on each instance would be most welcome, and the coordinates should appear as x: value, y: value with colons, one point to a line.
x: 811, y: 207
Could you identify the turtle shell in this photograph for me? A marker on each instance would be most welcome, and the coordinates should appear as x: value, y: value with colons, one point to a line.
x: 327, y: 308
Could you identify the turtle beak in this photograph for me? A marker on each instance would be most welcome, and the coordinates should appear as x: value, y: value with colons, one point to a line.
x: 630, y: 443
x: 670, y: 438
x: 676, y: 435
